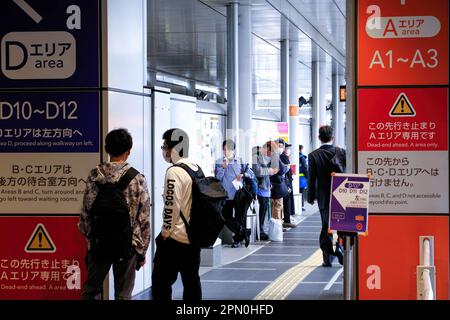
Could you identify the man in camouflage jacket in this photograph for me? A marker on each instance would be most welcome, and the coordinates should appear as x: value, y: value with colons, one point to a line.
x: 118, y: 144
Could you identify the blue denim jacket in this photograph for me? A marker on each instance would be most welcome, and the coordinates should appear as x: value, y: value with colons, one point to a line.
x: 226, y: 176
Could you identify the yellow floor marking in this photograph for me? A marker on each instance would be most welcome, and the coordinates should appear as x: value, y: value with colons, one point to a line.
x: 281, y: 287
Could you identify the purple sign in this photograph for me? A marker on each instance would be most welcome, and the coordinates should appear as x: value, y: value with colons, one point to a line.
x: 349, y: 203
x: 49, y: 44
x: 51, y: 122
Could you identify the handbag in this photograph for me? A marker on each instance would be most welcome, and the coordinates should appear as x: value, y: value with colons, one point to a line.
x: 279, y: 190
x: 275, y: 230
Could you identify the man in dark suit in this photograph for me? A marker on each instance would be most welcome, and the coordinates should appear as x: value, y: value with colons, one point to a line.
x: 319, y: 187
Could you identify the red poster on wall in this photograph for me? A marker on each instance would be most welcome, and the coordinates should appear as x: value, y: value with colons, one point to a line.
x: 402, y: 42
x: 406, y: 119
x: 389, y: 256
x: 41, y: 258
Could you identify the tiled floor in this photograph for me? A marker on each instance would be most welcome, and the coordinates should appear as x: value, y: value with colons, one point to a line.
x: 245, y: 272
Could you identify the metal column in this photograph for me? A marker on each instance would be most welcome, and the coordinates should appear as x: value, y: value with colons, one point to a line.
x: 322, y: 101
x: 232, y: 72
x: 245, y: 83
x: 220, y: 65
x: 350, y: 76
x: 348, y: 269
x: 335, y: 101
x: 319, y: 113
x: 293, y: 112
x: 341, y: 115
x: 284, y: 70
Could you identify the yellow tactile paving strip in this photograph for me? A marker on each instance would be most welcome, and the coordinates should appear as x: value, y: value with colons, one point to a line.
x: 281, y: 287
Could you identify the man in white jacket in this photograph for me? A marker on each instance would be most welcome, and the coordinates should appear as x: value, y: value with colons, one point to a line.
x: 174, y: 252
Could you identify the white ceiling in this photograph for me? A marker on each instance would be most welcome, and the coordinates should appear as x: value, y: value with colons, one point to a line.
x: 187, y: 38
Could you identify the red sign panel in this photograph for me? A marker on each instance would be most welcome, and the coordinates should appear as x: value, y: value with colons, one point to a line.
x: 403, y: 119
x: 41, y: 258
x: 389, y: 256
x: 402, y: 42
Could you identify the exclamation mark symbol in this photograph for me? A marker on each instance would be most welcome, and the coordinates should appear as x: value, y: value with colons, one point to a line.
x: 402, y: 102
x: 40, y: 239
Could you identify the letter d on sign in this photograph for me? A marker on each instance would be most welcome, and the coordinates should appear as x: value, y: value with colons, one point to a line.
x: 9, y: 52
x: 374, y: 279
x: 73, y: 280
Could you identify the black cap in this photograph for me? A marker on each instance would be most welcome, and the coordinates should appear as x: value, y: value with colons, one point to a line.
x: 283, y: 142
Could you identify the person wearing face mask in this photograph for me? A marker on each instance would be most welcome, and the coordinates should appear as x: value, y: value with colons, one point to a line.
x: 288, y: 200
x: 174, y: 252
x: 263, y: 171
x: 279, y: 188
x: 228, y: 172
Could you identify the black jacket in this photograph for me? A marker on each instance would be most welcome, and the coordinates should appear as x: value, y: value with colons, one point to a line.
x: 319, y: 175
x: 303, y: 165
x: 285, y: 160
x: 279, y: 187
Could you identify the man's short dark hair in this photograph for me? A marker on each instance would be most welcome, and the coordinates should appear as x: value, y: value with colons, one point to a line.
x: 230, y: 144
x: 325, y: 133
x: 178, y: 140
x: 300, y: 147
x: 118, y: 141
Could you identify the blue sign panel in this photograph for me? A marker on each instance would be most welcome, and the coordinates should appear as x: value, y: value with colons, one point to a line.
x: 349, y: 202
x: 49, y: 122
x: 49, y: 44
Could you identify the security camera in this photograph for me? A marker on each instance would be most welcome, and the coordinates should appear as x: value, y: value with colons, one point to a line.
x: 302, y: 101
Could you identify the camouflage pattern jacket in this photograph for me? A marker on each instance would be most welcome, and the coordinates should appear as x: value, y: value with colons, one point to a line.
x: 137, y: 197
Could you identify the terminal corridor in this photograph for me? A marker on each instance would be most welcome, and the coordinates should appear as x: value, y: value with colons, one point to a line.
x: 287, y: 270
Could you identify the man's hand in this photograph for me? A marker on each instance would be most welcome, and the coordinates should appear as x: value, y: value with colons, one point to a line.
x: 225, y: 163
x: 239, y: 177
x: 142, y: 263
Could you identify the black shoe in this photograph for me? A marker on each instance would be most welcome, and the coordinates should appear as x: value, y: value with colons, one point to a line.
x: 327, y: 259
x: 247, y: 238
x: 339, y: 254
x: 289, y: 225
x: 236, y: 245
x: 263, y: 236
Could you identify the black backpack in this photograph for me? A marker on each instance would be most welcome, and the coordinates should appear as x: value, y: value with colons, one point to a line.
x: 251, y: 184
x: 111, y: 233
x: 338, y: 161
x: 208, y: 200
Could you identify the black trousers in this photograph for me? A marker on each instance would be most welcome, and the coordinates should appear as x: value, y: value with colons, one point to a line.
x: 173, y: 257
x: 303, y: 192
x: 234, y: 220
x: 325, y: 239
x: 124, y: 276
x: 288, y: 204
x: 288, y: 207
x: 263, y: 209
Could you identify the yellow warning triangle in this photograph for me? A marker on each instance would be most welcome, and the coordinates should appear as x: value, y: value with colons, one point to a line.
x: 402, y: 107
x: 40, y: 241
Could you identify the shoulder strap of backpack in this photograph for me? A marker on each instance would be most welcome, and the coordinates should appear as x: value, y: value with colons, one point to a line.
x: 193, y: 174
x: 338, y: 151
x: 126, y: 178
